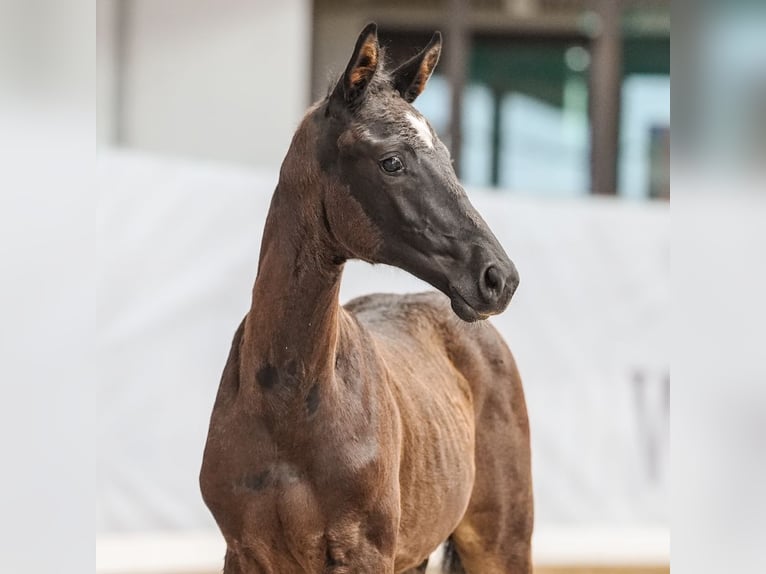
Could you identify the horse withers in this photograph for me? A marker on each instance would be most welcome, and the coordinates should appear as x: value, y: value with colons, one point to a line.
x: 357, y: 439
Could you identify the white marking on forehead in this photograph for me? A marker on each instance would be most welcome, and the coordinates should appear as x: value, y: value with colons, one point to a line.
x: 362, y: 132
x: 422, y: 129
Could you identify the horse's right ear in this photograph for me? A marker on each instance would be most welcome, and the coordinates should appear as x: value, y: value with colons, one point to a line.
x: 410, y: 78
x: 361, y: 68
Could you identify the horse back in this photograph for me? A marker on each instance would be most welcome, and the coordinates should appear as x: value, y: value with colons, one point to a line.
x: 425, y: 325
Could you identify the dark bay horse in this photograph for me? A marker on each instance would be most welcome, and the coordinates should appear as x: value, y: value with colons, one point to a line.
x: 357, y: 439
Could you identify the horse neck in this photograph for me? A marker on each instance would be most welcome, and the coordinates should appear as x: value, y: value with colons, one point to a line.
x: 295, y: 317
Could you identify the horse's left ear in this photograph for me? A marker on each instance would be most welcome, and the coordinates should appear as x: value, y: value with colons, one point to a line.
x: 410, y: 78
x: 360, y: 69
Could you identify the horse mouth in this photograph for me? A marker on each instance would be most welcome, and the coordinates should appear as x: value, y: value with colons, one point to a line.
x: 463, y: 308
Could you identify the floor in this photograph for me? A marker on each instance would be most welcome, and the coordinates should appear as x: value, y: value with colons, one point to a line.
x: 590, y: 570
x: 603, y: 570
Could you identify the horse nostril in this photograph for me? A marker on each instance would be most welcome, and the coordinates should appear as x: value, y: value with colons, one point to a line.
x: 493, y: 280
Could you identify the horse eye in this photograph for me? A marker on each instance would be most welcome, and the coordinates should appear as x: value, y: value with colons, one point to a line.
x: 392, y: 164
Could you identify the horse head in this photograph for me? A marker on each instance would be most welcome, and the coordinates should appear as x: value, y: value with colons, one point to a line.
x: 395, y: 197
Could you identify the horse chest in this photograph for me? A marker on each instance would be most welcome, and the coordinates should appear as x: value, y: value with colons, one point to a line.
x: 301, y: 502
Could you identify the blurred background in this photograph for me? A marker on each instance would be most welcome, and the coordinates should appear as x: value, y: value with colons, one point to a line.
x: 177, y: 239
x: 557, y: 113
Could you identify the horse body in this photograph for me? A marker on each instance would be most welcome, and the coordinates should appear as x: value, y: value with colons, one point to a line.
x: 358, y: 439
x: 434, y: 406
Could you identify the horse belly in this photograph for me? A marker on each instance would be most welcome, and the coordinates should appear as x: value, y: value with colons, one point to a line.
x: 437, y: 469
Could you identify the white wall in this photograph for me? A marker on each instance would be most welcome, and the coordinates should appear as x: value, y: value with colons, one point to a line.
x: 217, y: 79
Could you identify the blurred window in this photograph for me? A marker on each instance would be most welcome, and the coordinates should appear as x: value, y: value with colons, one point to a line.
x: 525, y: 115
x: 539, y: 98
x: 644, y: 159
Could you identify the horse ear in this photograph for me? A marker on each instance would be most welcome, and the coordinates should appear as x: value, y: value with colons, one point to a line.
x: 361, y: 67
x: 410, y: 78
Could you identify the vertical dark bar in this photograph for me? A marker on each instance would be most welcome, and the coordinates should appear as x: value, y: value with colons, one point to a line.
x: 606, y: 81
x: 457, y: 46
x: 123, y: 12
x: 497, y: 101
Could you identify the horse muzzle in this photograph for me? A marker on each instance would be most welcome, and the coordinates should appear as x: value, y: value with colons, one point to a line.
x: 489, y: 294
